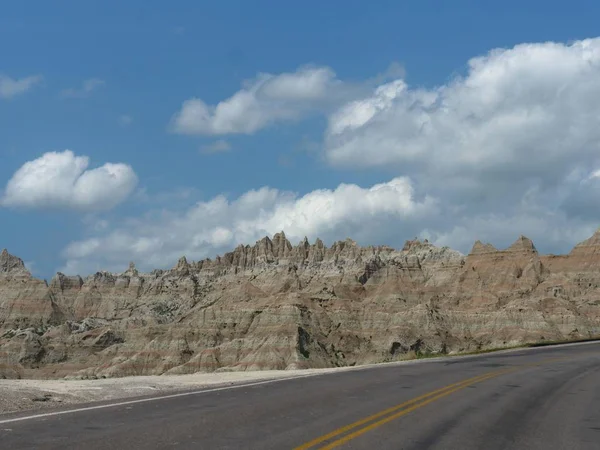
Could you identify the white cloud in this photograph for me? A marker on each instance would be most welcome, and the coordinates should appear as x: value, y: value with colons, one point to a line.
x: 519, y: 132
x: 533, y: 110
x: 62, y: 180
x: 512, y: 147
x: 220, y: 146
x: 160, y: 238
x: 551, y: 232
x: 10, y: 87
x: 86, y: 89
x: 261, y: 102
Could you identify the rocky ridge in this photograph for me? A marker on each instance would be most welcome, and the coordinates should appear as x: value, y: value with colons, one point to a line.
x: 278, y: 306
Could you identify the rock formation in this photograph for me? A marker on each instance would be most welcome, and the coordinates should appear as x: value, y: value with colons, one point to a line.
x: 278, y: 306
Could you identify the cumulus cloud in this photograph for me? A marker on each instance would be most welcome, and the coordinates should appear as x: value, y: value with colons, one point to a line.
x: 160, y: 238
x: 10, y: 87
x: 532, y: 110
x: 520, y: 127
x: 62, y: 180
x: 262, y: 101
x: 386, y: 213
x: 552, y: 231
x: 85, y: 90
x: 510, y: 147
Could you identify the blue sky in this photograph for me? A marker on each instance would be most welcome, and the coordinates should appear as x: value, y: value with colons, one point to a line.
x: 108, y: 80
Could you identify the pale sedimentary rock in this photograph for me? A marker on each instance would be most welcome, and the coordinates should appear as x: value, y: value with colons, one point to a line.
x: 277, y: 306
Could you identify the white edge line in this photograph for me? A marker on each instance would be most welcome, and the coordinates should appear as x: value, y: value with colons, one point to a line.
x: 151, y: 399
x: 257, y: 383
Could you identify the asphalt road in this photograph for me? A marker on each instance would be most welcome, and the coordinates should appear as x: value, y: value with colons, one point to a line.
x: 544, y: 398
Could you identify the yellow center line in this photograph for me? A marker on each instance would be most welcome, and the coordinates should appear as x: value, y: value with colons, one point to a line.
x: 391, y: 410
x: 403, y: 412
x: 408, y: 406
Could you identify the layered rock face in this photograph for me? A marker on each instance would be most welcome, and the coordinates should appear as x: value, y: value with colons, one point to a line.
x: 277, y: 306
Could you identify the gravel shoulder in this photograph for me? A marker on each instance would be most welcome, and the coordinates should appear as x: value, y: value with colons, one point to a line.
x: 22, y: 395
x: 31, y: 394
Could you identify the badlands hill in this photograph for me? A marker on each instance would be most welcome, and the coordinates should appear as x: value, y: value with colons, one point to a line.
x: 278, y: 306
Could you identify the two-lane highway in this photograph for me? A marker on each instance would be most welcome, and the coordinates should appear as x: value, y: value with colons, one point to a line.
x: 544, y: 398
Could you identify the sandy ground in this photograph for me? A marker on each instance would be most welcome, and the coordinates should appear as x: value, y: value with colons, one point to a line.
x: 19, y: 395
